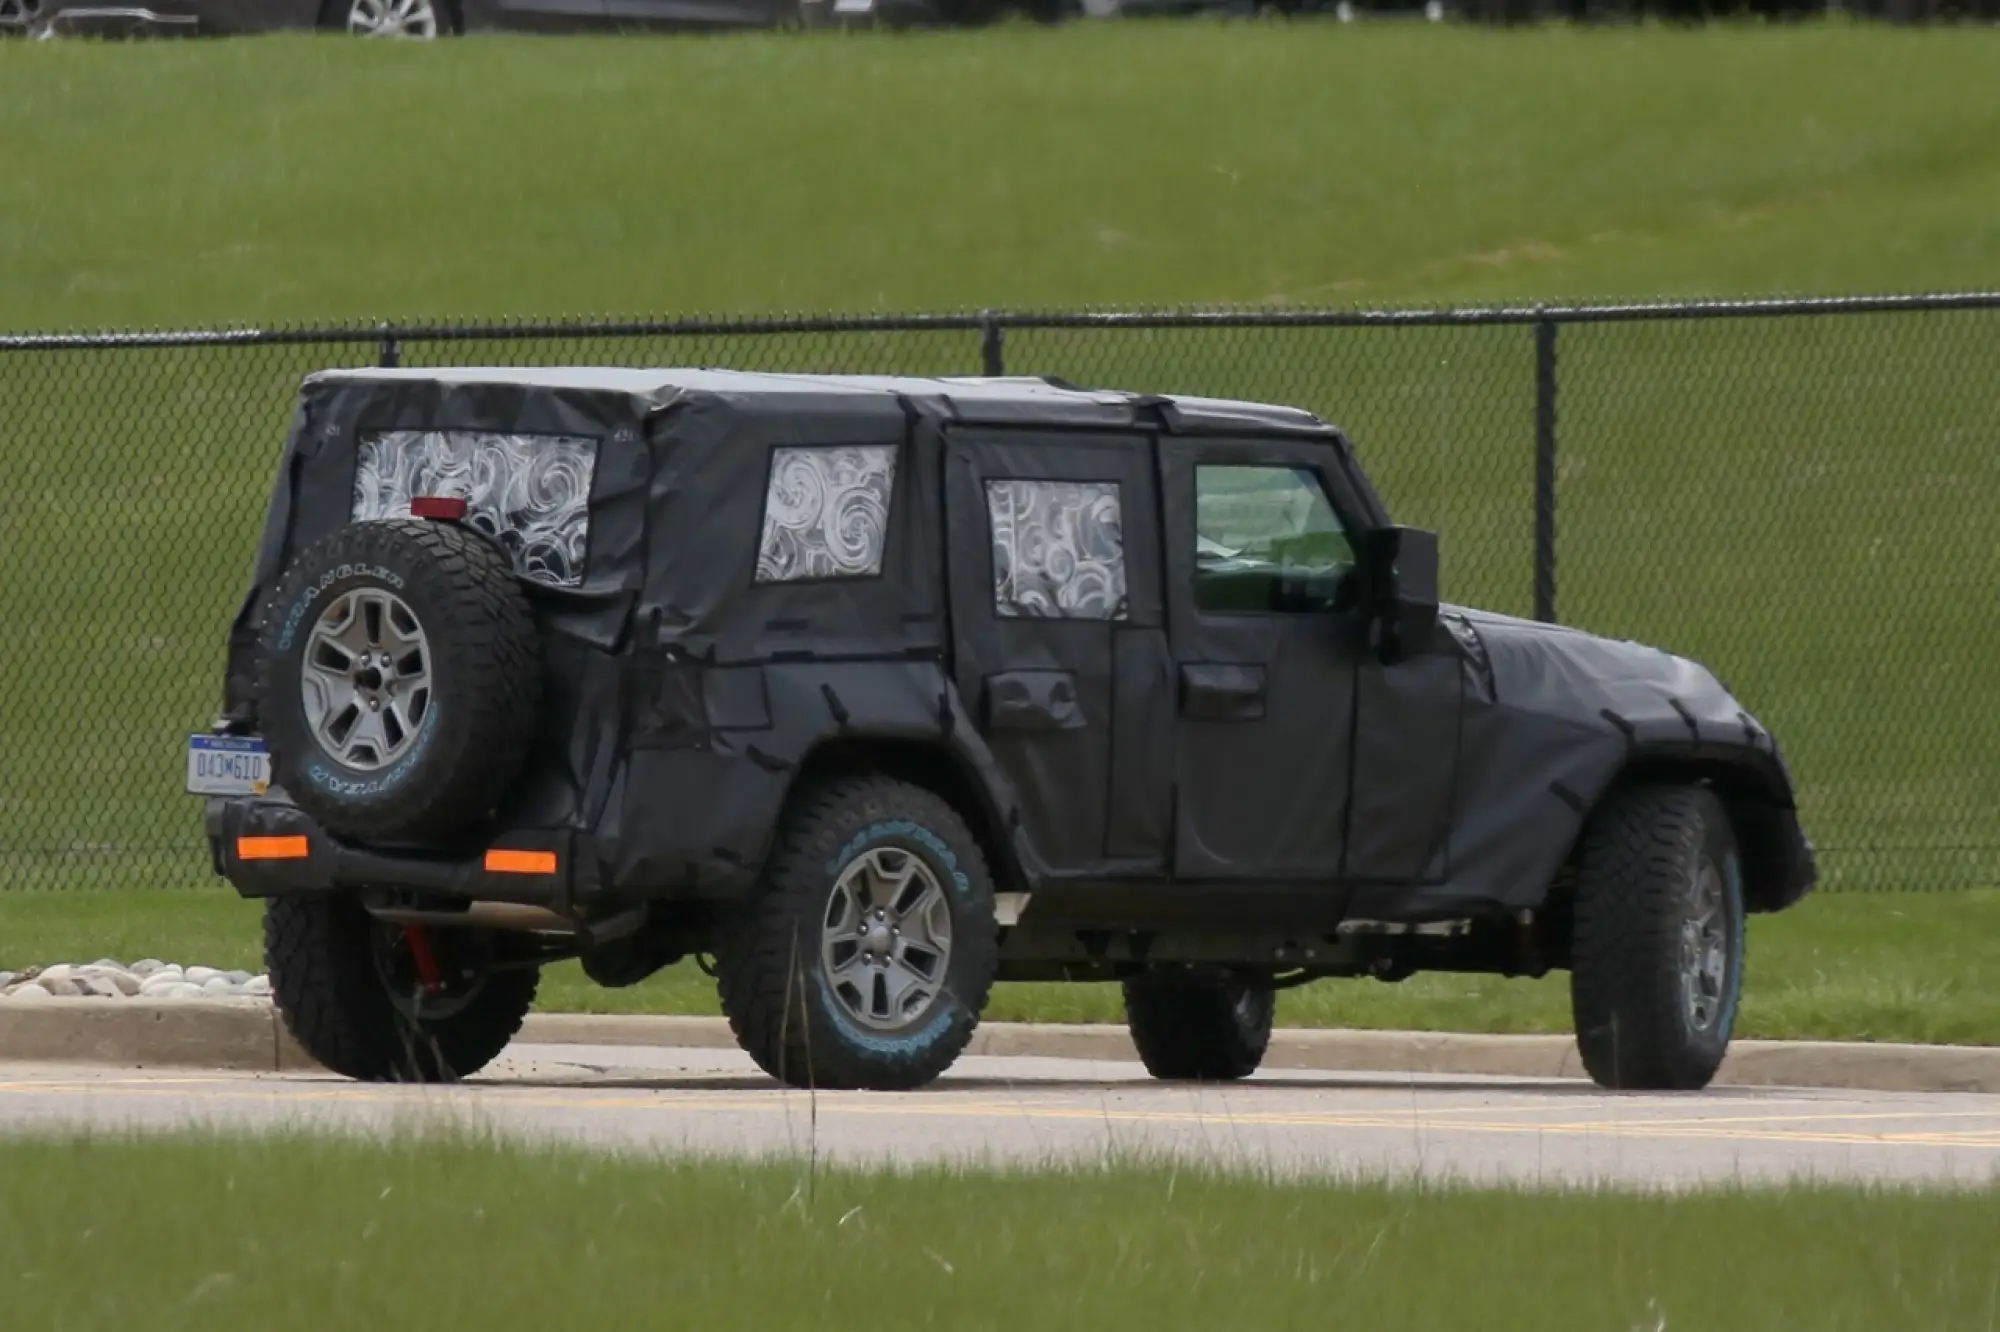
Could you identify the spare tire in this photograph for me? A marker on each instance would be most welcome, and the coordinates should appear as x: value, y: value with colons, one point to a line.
x: 399, y: 680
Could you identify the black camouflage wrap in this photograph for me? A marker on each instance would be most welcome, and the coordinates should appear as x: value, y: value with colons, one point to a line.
x: 992, y: 577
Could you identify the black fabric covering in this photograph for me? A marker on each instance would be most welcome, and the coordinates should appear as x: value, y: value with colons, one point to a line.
x: 1160, y: 745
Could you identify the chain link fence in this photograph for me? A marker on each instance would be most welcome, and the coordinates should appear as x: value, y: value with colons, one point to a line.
x: 1795, y: 493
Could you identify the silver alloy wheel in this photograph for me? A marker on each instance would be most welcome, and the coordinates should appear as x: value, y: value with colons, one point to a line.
x: 366, y: 679
x: 393, y: 18
x: 887, y: 938
x: 1705, y: 950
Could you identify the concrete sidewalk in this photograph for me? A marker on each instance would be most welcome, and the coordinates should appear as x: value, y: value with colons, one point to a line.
x: 247, y: 1035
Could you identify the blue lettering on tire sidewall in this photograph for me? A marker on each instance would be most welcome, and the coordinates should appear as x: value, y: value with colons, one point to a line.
x: 897, y: 832
x: 1732, y: 883
x: 334, y: 779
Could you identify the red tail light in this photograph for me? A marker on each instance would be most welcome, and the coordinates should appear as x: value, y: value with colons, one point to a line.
x: 437, y: 506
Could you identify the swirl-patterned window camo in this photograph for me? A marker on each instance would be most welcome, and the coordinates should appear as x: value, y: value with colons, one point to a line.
x: 1058, y: 549
x: 826, y: 512
x: 530, y: 492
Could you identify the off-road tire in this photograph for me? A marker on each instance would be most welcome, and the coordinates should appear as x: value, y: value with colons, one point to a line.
x: 1191, y: 1029
x: 770, y: 973
x: 485, y: 668
x: 329, y: 990
x: 1642, y: 853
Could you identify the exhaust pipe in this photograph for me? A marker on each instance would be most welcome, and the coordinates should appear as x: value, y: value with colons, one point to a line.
x: 482, y: 915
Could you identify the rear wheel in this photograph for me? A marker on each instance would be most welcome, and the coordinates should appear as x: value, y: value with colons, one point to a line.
x: 1191, y: 1029
x: 1657, y: 942
x: 866, y: 953
x: 353, y: 991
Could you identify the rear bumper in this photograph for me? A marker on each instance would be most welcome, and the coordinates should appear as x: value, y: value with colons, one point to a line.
x: 268, y: 847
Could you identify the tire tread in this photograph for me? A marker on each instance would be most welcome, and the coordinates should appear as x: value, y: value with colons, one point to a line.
x: 759, y: 971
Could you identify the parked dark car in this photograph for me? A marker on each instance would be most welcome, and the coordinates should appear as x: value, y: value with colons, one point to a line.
x: 880, y: 690
x: 428, y: 19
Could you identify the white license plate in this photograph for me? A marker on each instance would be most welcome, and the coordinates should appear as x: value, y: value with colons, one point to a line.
x: 226, y: 765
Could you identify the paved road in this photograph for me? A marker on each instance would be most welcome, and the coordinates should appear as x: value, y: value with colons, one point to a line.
x: 1038, y: 1109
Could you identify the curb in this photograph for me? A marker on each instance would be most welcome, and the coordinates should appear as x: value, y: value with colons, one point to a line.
x: 245, y: 1034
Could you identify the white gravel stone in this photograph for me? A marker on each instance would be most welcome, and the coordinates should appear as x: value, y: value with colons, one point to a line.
x: 149, y: 979
x: 29, y: 993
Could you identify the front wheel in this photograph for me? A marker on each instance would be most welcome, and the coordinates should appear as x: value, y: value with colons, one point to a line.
x: 1656, y: 964
x: 867, y: 950
x: 380, y: 1003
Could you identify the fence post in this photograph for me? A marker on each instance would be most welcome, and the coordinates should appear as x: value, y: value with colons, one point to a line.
x: 992, y: 346
x: 391, y: 351
x: 1545, y: 470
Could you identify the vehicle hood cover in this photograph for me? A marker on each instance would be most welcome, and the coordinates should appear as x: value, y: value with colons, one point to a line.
x: 1552, y: 716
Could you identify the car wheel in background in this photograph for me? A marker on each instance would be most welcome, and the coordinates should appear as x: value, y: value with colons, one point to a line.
x: 420, y: 20
x: 1656, y: 949
x: 1199, y: 1029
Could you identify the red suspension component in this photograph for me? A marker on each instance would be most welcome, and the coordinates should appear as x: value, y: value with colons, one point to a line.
x: 426, y: 960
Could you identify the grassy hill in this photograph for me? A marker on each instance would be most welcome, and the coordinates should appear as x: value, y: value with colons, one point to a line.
x: 296, y: 178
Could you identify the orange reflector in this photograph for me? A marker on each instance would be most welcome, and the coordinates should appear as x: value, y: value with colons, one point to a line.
x: 520, y: 862
x: 272, y: 848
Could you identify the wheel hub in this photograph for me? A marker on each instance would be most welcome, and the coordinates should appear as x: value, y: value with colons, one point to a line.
x: 1704, y: 961
x: 393, y: 18
x: 886, y: 938
x: 365, y: 680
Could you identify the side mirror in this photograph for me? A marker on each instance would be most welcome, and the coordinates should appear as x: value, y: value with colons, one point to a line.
x: 1400, y: 566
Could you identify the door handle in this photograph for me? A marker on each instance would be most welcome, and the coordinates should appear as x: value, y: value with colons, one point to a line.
x: 1213, y: 692
x: 1033, y: 701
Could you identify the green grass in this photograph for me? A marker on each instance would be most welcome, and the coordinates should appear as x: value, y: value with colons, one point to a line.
x: 1307, y: 163
x: 1874, y: 967
x: 1791, y: 502
x: 206, y: 1233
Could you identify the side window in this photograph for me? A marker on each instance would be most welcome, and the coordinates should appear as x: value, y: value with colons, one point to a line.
x: 826, y: 513
x: 1266, y: 539
x: 1058, y: 549
x: 529, y: 492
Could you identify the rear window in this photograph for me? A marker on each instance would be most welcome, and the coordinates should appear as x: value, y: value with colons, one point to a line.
x: 529, y: 492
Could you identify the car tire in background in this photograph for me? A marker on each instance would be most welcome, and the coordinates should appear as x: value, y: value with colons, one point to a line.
x: 399, y: 680
x: 1657, y: 939
x: 349, y: 990
x: 418, y: 20
x: 1199, y: 1029
x: 865, y: 954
